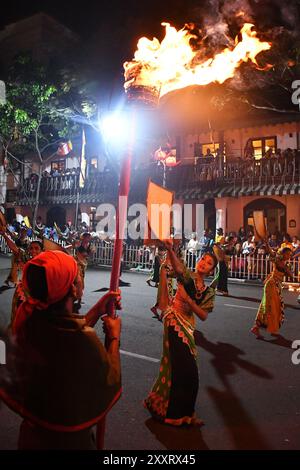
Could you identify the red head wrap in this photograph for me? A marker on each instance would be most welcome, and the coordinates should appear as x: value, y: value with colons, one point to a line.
x: 61, y: 270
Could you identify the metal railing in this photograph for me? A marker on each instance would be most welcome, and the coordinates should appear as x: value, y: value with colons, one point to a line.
x: 244, y: 267
x: 66, y: 185
x: 3, y: 246
x: 5, y: 250
x: 210, y: 172
x: 272, y: 170
x: 136, y: 258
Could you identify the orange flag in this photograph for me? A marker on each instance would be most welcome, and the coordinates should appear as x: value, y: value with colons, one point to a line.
x: 159, y: 215
x: 260, y: 229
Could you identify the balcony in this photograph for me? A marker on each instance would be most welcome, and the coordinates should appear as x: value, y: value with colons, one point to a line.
x: 66, y: 188
x: 209, y: 177
x: 211, y: 174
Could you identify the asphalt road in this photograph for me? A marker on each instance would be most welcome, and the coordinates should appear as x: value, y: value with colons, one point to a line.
x: 249, y: 395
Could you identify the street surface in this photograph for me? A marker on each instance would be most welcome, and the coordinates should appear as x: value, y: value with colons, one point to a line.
x: 249, y: 395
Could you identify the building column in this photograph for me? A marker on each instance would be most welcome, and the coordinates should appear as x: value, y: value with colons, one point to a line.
x: 85, y: 218
x: 221, y: 213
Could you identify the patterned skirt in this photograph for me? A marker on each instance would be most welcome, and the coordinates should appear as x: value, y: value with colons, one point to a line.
x: 270, y: 314
x: 173, y: 396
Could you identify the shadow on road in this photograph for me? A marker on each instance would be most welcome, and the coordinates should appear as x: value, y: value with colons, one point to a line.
x: 4, y: 288
x: 257, y: 301
x: 173, y: 438
x: 278, y: 341
x: 226, y: 360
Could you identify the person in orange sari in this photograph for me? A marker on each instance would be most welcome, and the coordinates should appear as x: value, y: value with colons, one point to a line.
x: 270, y: 313
x: 64, y: 380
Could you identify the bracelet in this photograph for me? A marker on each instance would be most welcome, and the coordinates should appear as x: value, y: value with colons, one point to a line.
x: 114, y: 337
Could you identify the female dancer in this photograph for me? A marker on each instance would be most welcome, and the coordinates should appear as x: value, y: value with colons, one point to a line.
x: 20, y: 295
x: 173, y: 396
x: 270, y: 314
x: 19, y: 254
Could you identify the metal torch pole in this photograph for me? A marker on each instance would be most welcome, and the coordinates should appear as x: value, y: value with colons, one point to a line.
x: 121, y: 217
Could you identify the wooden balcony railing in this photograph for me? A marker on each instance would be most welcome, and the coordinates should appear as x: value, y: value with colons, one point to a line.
x: 265, y: 171
x: 209, y: 173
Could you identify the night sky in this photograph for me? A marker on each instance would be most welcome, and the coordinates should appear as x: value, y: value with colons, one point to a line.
x: 89, y: 16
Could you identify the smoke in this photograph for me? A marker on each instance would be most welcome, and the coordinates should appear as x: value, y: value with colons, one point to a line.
x: 284, y: 12
x: 240, y: 10
x: 221, y: 19
x: 277, y: 21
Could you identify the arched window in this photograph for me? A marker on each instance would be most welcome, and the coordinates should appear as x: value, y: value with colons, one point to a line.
x: 274, y: 211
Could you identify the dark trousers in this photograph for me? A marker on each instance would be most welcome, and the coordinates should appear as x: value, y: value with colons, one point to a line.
x: 223, y: 277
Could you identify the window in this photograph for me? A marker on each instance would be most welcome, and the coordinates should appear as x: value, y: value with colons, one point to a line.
x: 262, y: 145
x: 59, y: 165
x: 211, y: 147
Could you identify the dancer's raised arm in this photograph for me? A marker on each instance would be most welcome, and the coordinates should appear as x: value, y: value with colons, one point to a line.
x: 175, y: 261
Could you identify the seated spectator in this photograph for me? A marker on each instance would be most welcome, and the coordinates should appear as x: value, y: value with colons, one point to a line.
x: 204, y: 243
x: 269, y: 153
x: 295, y: 242
x: 288, y: 153
x: 248, y: 247
x: 278, y: 153
x: 273, y: 242
x: 249, y: 150
x: 261, y: 249
x: 286, y: 243
x: 208, y: 154
x: 56, y: 173
x: 220, y: 236
x: 242, y: 234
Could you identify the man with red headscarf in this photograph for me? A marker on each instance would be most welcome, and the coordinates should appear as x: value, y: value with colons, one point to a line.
x: 65, y: 381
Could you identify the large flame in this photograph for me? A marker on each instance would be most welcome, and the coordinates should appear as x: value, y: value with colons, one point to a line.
x: 173, y: 64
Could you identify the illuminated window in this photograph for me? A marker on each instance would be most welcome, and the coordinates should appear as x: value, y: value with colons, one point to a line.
x: 59, y: 165
x: 211, y: 147
x: 262, y: 145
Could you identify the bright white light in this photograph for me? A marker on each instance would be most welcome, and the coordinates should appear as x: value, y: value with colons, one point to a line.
x: 115, y: 127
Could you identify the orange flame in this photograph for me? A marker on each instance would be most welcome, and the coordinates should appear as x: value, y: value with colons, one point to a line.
x: 172, y: 64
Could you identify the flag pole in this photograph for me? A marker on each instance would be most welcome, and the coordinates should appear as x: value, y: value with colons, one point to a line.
x: 81, y: 178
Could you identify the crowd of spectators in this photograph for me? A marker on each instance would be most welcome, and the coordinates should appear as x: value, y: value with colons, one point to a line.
x: 245, y: 253
x: 242, y: 242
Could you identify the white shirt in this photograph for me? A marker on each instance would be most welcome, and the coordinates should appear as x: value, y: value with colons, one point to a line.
x: 193, y: 246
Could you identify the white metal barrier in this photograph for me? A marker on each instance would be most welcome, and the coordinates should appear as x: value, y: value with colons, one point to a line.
x: 5, y: 250
x: 3, y: 246
x: 138, y: 258
x: 239, y: 267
